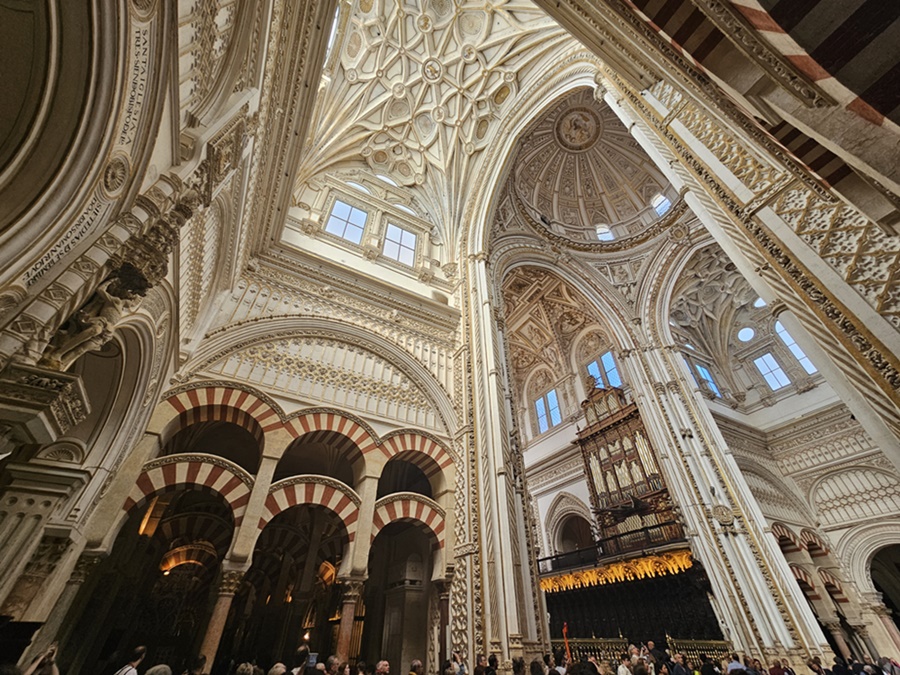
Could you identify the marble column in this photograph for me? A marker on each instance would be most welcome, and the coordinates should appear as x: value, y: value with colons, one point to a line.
x: 863, y: 632
x: 352, y: 590
x: 834, y: 627
x: 884, y: 615
x: 228, y: 585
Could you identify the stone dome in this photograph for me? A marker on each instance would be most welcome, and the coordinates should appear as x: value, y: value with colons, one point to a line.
x: 579, y: 167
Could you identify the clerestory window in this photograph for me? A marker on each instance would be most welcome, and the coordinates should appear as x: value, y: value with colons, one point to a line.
x: 794, y: 348
x: 774, y: 376
x: 400, y: 245
x: 346, y: 222
x: 547, y: 409
x: 604, y: 371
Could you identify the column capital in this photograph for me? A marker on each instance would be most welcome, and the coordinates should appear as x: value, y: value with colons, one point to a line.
x: 84, y: 566
x: 352, y: 588
x: 230, y: 582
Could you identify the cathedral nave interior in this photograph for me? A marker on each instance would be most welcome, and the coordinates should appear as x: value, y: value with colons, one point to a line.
x: 405, y: 328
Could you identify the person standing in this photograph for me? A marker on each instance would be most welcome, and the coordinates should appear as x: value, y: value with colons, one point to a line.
x: 130, y: 668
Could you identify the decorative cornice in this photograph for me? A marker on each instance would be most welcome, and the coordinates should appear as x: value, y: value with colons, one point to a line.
x: 244, y: 477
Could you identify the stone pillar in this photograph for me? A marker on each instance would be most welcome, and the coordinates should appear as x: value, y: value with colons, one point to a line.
x: 352, y: 590
x: 443, y: 588
x: 43, y: 562
x: 884, y: 616
x: 52, y: 628
x: 863, y: 632
x: 228, y: 585
x: 834, y: 627
x: 32, y: 495
x: 761, y: 609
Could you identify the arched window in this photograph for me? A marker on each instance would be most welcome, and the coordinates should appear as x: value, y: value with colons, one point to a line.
x: 604, y: 233
x: 547, y: 409
x: 661, y: 204
x: 604, y: 371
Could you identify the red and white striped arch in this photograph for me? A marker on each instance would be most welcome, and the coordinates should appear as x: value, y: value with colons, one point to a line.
x: 805, y: 581
x: 816, y: 546
x: 424, y: 452
x: 833, y: 586
x: 419, y: 510
x: 216, y: 475
x: 787, y: 540
x: 323, y: 420
x: 226, y: 404
x: 313, y: 491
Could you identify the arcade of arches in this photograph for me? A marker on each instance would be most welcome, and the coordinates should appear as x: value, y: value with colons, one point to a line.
x: 404, y: 327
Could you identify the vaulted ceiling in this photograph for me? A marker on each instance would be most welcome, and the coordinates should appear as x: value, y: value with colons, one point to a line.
x: 416, y: 90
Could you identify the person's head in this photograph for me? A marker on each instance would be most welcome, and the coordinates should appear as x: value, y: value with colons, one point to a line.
x: 663, y: 669
x: 624, y: 658
x: 884, y: 662
x: 301, y: 656
x: 382, y: 668
x: 734, y: 657
x: 757, y: 664
x: 278, y: 669
x: 161, y: 669
x: 640, y: 668
x: 679, y: 658
x: 784, y: 663
x: 258, y: 671
x: 703, y: 658
x: 344, y: 668
x: 562, y: 660
x: 536, y: 667
x: 480, y: 660
x: 416, y: 667
x: 197, y: 664
x: 244, y: 669
x: 450, y: 670
x: 518, y: 665
x: 492, y: 661
x: 331, y: 665
x: 547, y: 660
x: 651, y: 644
x: 867, y: 659
x: 137, y: 655
x: 361, y: 667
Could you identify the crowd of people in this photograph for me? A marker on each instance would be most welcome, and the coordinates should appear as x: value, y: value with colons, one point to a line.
x: 644, y: 660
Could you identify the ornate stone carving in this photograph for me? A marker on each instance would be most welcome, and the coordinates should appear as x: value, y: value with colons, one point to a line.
x: 91, y: 327
x: 41, y: 404
x: 230, y: 582
x: 116, y: 174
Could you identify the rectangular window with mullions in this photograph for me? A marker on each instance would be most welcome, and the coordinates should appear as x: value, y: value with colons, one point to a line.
x: 400, y: 245
x: 547, y: 409
x: 774, y: 376
x: 346, y: 222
